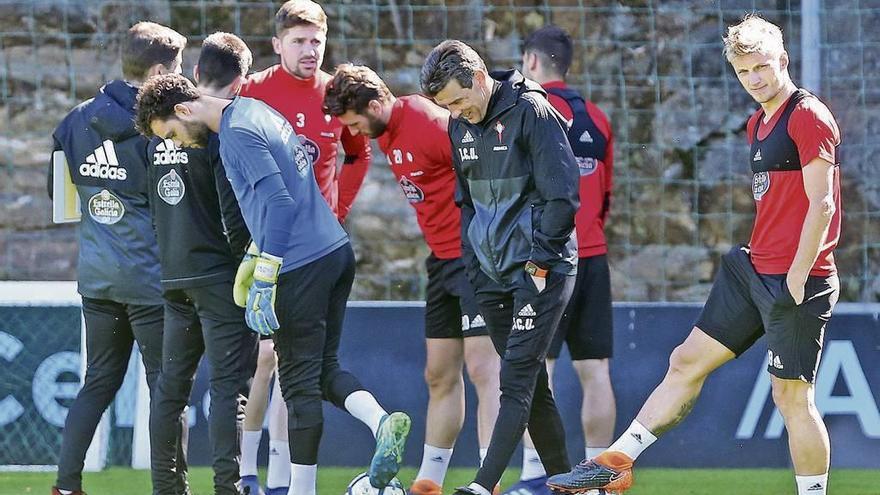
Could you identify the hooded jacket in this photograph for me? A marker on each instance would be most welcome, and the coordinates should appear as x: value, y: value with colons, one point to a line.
x: 517, y: 183
x: 106, y: 156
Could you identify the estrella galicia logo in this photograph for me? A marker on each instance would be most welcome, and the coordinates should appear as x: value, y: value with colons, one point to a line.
x: 171, y: 188
x: 586, y: 165
x: 311, y: 148
x: 760, y: 185
x: 105, y: 208
x: 411, y: 190
x: 302, y: 161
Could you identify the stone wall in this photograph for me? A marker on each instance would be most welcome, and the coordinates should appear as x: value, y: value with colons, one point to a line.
x: 682, y: 186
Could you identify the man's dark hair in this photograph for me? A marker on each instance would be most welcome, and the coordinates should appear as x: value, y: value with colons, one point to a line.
x: 158, y: 96
x: 224, y: 57
x: 148, y: 44
x: 352, y: 88
x: 553, y: 45
x: 299, y: 13
x: 451, y: 59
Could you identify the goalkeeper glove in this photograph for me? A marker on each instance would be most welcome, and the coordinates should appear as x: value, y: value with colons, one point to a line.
x: 260, y: 310
x: 244, y: 276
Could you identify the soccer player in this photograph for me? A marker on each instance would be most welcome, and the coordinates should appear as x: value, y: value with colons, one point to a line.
x: 517, y: 188
x: 587, y: 322
x: 118, y: 266
x: 201, y: 237
x: 783, y: 285
x: 303, y: 272
x: 295, y: 88
x: 411, y: 131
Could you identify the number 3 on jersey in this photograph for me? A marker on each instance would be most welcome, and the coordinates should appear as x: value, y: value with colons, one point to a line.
x: 300, y: 120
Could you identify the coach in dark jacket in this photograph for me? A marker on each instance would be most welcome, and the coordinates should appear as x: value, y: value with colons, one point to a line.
x: 118, y: 269
x: 517, y: 189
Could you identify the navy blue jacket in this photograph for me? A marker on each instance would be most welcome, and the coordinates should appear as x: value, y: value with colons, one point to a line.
x: 517, y: 183
x: 107, y: 159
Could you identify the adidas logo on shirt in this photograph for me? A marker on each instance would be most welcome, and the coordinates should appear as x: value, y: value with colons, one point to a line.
x: 586, y: 137
x: 757, y: 157
x: 467, y: 137
x: 103, y: 164
x: 168, y: 154
x: 527, y: 311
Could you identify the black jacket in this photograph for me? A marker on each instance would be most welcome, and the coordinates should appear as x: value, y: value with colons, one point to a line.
x: 517, y: 183
x: 202, y: 235
x: 106, y: 156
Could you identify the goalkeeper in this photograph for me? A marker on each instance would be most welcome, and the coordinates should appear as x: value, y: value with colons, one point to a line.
x: 303, y: 273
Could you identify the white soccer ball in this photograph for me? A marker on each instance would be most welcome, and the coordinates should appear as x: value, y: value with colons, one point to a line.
x: 360, y: 485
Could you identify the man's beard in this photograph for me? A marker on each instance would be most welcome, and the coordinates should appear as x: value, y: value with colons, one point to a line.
x: 377, y: 127
x: 198, y: 132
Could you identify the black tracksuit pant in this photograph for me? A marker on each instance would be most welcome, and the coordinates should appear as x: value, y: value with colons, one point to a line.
x: 521, y: 324
x: 202, y: 320
x: 310, y: 305
x: 111, y: 329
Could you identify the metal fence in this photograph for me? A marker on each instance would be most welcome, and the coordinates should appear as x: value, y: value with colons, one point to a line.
x: 681, y: 194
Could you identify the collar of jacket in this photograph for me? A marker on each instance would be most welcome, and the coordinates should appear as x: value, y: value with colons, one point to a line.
x: 509, y: 86
x: 113, y: 110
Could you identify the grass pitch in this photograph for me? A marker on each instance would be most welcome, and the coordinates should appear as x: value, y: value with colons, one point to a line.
x: 333, y: 480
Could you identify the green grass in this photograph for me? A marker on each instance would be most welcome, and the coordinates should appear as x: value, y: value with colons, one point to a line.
x: 332, y: 481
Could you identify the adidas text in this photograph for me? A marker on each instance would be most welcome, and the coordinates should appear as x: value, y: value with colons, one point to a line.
x: 103, y: 164
x: 168, y: 154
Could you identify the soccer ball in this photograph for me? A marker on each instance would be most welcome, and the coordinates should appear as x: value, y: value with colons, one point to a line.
x: 360, y: 485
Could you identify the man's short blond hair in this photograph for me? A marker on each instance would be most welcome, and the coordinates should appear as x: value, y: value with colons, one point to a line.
x: 753, y: 35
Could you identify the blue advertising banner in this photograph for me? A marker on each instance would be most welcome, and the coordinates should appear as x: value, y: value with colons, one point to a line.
x: 734, y: 424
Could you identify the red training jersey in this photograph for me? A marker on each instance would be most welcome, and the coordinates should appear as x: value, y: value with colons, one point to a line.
x: 300, y: 102
x: 800, y: 131
x: 417, y: 146
x: 596, y: 179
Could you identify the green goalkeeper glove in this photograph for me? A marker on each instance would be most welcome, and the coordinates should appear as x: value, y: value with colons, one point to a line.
x: 260, y: 310
x: 244, y: 276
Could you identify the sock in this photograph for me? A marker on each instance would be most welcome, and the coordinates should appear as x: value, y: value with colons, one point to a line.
x: 594, y: 451
x: 303, y: 479
x: 250, y: 445
x: 531, y: 467
x: 363, y: 406
x: 435, y: 462
x: 479, y: 489
x: 278, y: 473
x: 483, y: 453
x: 812, y: 485
x: 634, y: 440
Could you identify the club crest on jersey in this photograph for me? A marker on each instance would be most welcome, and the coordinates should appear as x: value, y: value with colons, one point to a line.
x: 105, y: 208
x: 311, y: 148
x: 301, y: 160
x: 760, y: 185
x: 411, y: 190
x: 499, y: 128
x: 171, y: 188
x: 169, y: 154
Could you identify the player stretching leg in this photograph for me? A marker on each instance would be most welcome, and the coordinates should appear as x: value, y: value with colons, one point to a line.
x: 305, y: 262
x: 411, y: 131
x: 295, y: 88
x: 783, y: 285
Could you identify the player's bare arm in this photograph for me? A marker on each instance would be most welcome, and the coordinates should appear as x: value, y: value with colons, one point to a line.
x: 819, y: 187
